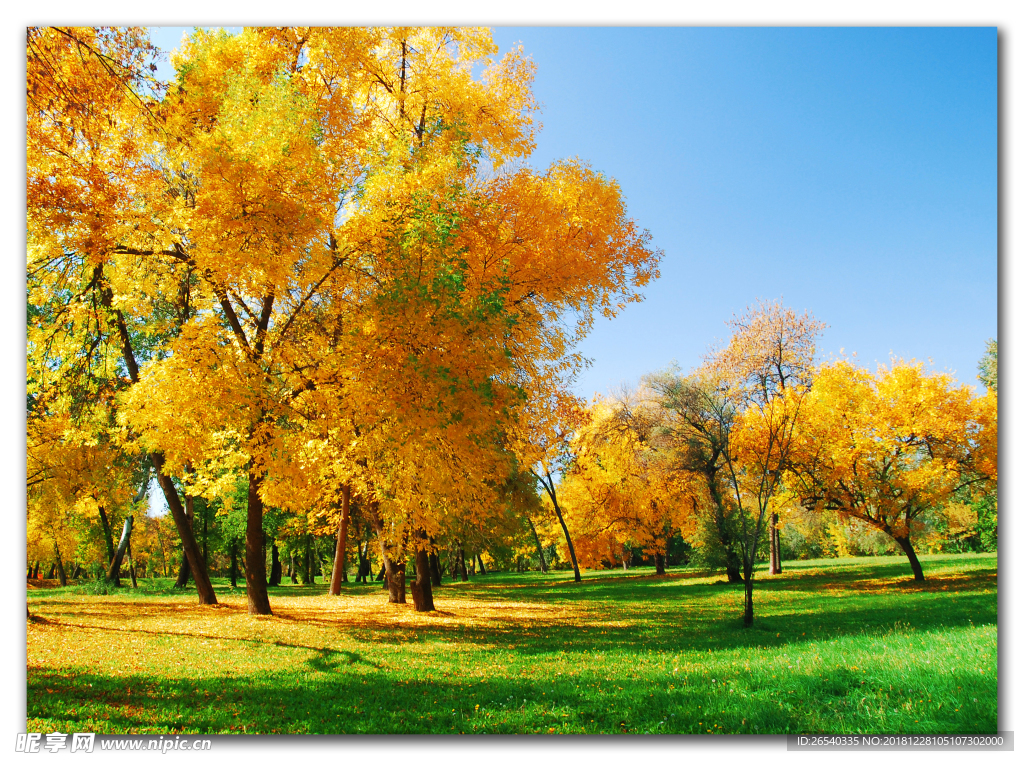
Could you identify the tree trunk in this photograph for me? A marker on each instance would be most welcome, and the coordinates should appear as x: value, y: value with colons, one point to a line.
x: 188, y: 542
x: 435, y: 569
x: 255, y: 562
x: 114, y: 571
x: 51, y: 572
x: 275, y: 566
x: 659, y: 563
x: 774, y: 560
x: 462, y: 564
x: 60, y: 567
x: 748, y: 598
x: 108, y: 534
x: 35, y: 573
x: 480, y: 560
x: 572, y: 549
x: 183, y: 573
x: 291, y: 565
x: 549, y: 487
x: 540, y: 549
x: 422, y: 596
x: 908, y: 549
x: 234, y: 562
x: 339, y: 574
x: 199, y: 572
x: 78, y: 571
x: 394, y: 571
x: 131, y: 564
x: 472, y: 564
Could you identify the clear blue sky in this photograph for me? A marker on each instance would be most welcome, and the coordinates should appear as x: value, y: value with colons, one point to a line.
x: 850, y: 171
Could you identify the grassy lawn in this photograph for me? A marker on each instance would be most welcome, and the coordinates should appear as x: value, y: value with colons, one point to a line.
x: 837, y: 646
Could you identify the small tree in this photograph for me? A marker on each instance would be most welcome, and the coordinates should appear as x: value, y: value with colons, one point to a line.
x: 892, y: 448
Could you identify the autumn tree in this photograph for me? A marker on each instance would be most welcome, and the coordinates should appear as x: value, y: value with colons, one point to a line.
x: 313, y: 231
x: 620, y: 487
x: 891, y: 448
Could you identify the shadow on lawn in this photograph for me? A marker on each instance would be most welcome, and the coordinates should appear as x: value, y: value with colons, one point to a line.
x: 346, y: 698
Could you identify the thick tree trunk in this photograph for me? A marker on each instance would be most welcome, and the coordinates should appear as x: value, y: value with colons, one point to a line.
x: 435, y: 569
x: 255, y: 562
x: 422, y: 596
x: 394, y: 570
x: 60, y: 567
x: 339, y: 574
x: 908, y: 549
x: 114, y: 571
x: 188, y: 541
x: 480, y: 560
x: 35, y: 573
x: 659, y: 563
x: 462, y: 564
x: 540, y: 549
x: 183, y: 573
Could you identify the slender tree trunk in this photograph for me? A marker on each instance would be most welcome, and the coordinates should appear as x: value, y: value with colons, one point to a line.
x: 339, y: 574
x: 422, y: 596
x: 78, y: 571
x: 255, y: 562
x: 908, y: 549
x: 748, y: 597
x: 35, y: 573
x: 549, y: 487
x: 131, y: 564
x: 774, y: 561
x: 540, y: 549
x: 291, y: 565
x: 462, y: 563
x: 160, y: 544
x: 108, y: 534
x: 60, y: 567
x: 472, y: 564
x: 568, y: 539
x: 480, y: 560
x: 234, y: 562
x: 114, y: 571
x: 51, y: 572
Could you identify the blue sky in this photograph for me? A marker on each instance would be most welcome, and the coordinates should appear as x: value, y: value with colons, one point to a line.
x: 850, y: 171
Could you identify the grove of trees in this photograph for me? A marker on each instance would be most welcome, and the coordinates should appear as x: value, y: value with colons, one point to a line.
x: 312, y: 290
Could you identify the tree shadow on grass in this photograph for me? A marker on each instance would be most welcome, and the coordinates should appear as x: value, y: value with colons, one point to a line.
x: 355, y: 700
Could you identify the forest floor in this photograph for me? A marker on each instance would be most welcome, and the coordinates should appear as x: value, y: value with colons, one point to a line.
x: 839, y: 646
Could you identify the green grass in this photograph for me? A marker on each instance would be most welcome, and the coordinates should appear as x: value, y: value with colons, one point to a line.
x: 837, y: 646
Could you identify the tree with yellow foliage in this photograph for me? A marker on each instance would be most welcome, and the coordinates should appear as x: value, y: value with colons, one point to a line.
x: 314, y: 220
x: 890, y: 448
x: 620, y: 489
